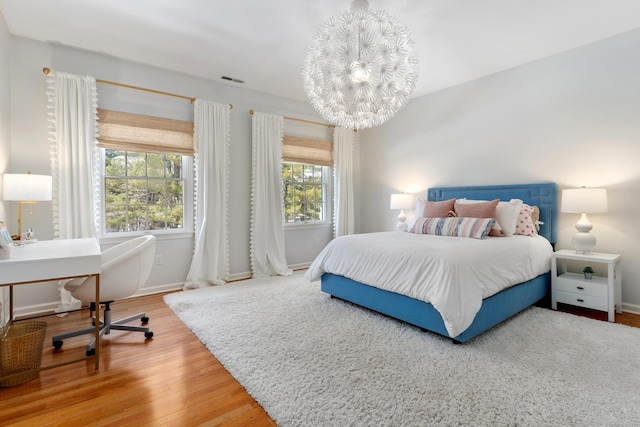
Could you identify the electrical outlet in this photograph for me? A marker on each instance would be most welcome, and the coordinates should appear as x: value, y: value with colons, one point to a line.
x: 158, y: 259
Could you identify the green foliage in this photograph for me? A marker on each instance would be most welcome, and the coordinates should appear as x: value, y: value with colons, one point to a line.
x: 303, y: 192
x: 143, y: 191
x: 588, y: 269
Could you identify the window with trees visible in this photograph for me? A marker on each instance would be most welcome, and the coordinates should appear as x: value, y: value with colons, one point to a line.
x: 143, y: 191
x: 146, y: 172
x: 304, y: 192
x: 306, y: 179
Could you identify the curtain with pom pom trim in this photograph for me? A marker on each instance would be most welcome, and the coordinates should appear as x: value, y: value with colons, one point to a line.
x: 210, y: 264
x: 75, y: 161
x: 267, y: 213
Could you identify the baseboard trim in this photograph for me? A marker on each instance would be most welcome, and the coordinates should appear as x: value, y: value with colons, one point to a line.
x: 300, y: 266
x: 152, y: 290
x: 239, y: 276
x: 247, y: 274
x: 51, y: 307
x: 631, y: 308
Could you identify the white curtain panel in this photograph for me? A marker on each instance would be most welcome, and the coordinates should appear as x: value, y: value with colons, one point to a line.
x: 75, y: 157
x: 267, y: 214
x: 210, y: 264
x: 343, y: 164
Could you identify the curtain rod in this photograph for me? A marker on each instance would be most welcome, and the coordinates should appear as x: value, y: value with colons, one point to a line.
x: 301, y: 120
x: 106, y: 82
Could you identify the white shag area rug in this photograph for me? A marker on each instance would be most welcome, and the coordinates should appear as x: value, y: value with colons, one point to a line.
x: 310, y: 360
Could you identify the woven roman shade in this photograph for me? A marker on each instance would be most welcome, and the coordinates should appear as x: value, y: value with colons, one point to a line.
x: 147, y: 134
x: 308, y: 151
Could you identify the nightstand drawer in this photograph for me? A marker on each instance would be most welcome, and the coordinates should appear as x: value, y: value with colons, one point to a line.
x: 582, y: 300
x: 575, y: 283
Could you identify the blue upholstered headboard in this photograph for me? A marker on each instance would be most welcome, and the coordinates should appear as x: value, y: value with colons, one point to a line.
x: 544, y: 196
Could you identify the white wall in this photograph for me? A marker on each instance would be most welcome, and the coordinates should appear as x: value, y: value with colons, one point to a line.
x: 5, y: 133
x: 30, y: 151
x: 572, y: 119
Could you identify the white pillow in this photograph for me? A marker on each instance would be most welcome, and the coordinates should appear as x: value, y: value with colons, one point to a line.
x: 419, y: 209
x: 506, y: 212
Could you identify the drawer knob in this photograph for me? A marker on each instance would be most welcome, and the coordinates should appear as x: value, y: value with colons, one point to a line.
x: 580, y: 287
x: 580, y: 300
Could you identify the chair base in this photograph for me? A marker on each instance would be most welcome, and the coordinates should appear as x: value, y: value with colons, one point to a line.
x: 105, y: 328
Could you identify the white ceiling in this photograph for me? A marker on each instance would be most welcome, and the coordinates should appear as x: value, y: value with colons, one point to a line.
x: 264, y: 42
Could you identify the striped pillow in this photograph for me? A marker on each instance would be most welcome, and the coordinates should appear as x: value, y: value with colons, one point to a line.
x: 476, y: 228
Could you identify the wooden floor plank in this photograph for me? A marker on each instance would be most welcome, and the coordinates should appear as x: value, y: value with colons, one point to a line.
x: 171, y: 380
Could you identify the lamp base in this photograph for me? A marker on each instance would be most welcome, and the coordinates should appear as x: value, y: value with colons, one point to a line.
x: 402, y: 224
x: 582, y: 240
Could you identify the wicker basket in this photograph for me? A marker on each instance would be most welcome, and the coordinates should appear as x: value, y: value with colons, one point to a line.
x: 20, y: 351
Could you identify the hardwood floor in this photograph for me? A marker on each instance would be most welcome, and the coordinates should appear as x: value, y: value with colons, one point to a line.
x: 171, y: 380
x: 624, y: 318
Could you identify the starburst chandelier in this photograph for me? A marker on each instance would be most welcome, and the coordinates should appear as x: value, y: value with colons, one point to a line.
x: 360, y: 68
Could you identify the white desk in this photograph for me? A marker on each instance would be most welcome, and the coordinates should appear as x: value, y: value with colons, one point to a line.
x: 51, y: 260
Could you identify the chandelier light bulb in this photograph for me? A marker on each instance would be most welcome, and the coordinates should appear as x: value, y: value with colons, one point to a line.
x: 361, y: 73
x: 360, y: 68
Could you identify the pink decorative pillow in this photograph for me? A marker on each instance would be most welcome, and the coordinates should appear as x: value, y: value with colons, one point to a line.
x: 479, y: 210
x: 525, y: 225
x: 438, y: 209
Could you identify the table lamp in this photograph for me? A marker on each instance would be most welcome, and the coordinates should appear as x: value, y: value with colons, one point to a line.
x: 26, y: 189
x: 402, y: 201
x: 584, y: 200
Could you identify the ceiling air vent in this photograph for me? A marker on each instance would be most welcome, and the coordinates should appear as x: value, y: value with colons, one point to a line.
x: 231, y: 79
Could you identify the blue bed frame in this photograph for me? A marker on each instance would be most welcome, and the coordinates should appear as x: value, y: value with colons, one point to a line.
x: 496, y: 308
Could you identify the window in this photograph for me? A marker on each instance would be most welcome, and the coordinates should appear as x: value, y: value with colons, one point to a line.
x: 306, y: 179
x: 147, y: 172
x: 143, y: 191
x: 305, y: 190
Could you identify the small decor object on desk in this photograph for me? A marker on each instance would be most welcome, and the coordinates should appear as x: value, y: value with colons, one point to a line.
x: 588, y: 272
x: 5, y: 242
x: 28, y: 235
x: 5, y: 251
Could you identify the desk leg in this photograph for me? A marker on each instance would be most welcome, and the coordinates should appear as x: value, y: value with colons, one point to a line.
x: 10, y: 303
x: 97, y: 347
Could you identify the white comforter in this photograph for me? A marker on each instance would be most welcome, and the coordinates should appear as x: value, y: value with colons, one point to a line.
x: 454, y: 274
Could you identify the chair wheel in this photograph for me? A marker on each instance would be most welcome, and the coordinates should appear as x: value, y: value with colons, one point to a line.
x: 57, y: 344
x: 91, y: 352
x: 148, y: 335
x: 144, y: 320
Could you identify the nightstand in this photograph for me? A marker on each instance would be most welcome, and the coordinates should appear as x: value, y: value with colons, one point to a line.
x: 599, y: 293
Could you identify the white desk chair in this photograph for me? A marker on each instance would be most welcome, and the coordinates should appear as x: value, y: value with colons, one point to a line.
x: 125, y: 269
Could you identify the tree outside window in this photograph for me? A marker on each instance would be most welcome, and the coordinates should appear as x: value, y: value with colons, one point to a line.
x: 304, y: 192
x: 143, y: 191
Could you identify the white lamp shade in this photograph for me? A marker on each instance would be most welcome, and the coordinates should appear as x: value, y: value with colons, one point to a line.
x: 401, y: 201
x: 26, y: 187
x: 587, y: 200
